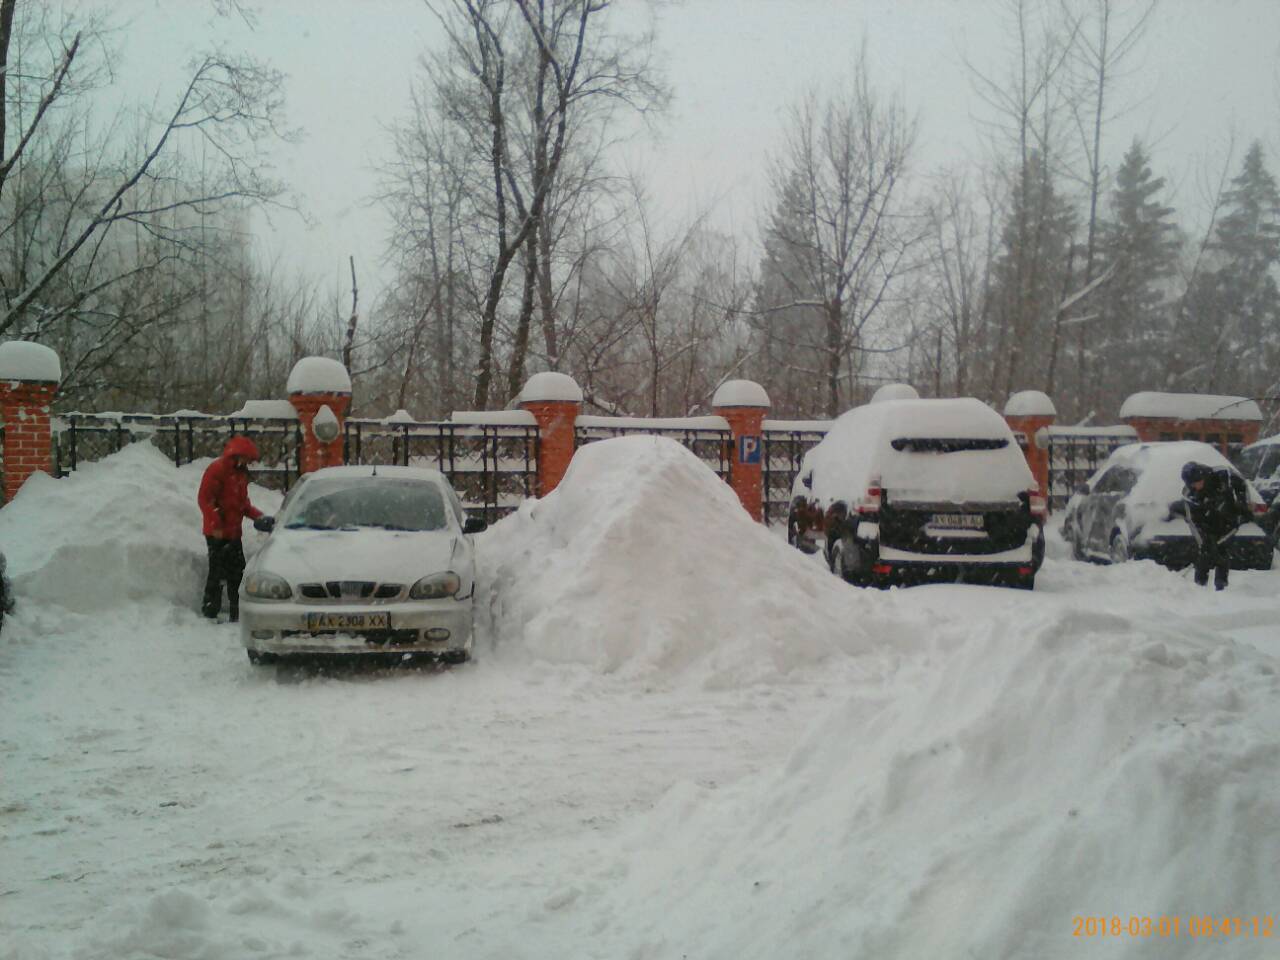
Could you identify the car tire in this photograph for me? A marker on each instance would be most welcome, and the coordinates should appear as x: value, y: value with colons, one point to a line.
x: 258, y: 658
x: 841, y: 552
x: 1119, y: 547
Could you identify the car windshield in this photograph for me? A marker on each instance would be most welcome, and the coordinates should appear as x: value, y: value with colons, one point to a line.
x: 948, y: 444
x: 385, y: 503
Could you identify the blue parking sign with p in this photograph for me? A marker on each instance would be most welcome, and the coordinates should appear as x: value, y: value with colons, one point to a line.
x: 749, y: 448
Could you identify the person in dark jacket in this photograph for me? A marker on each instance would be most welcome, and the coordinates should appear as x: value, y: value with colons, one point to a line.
x: 224, y: 505
x: 1214, y: 503
x: 6, y: 590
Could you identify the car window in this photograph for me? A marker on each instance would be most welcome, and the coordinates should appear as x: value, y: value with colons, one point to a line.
x: 347, y: 503
x: 1116, y: 480
x: 1270, y: 466
x: 948, y: 444
x: 1250, y: 461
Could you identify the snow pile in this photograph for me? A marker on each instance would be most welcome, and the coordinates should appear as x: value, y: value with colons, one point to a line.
x: 1033, y: 768
x: 318, y: 375
x: 1030, y: 403
x: 643, y: 562
x: 21, y: 360
x: 120, y: 531
x: 740, y: 393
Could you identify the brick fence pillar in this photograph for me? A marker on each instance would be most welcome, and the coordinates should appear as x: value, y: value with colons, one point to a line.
x: 744, y: 403
x: 314, y: 384
x: 1027, y: 413
x: 555, y: 400
x: 29, y: 376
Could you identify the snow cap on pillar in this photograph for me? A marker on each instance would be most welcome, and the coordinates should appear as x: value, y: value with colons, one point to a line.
x: 551, y: 387
x: 29, y: 362
x: 1030, y: 403
x: 319, y: 375
x: 740, y: 393
x: 895, y: 391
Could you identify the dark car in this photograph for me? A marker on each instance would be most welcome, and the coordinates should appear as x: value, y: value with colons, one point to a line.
x: 1122, y: 513
x: 912, y: 491
x: 1260, y: 464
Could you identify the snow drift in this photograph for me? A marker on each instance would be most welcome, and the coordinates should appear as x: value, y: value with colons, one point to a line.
x: 643, y: 562
x: 1031, y: 769
x: 120, y: 531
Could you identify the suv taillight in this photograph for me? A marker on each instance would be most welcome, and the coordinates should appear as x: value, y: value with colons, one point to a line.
x: 1039, y: 506
x: 870, y: 502
x: 1259, y: 509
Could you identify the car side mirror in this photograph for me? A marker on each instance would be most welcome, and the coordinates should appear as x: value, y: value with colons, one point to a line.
x: 475, y: 525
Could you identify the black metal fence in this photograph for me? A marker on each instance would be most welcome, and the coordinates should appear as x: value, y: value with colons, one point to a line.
x: 784, y: 448
x: 492, y: 466
x: 1075, y: 453
x: 711, y: 444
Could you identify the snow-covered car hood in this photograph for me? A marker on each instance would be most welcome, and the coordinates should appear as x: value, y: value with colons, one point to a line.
x: 394, y: 556
x: 1160, y: 525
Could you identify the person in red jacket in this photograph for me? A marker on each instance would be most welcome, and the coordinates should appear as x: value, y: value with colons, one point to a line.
x: 224, y: 504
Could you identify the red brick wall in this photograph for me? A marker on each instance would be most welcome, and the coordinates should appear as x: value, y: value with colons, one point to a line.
x: 556, y: 425
x: 747, y: 479
x: 316, y: 454
x: 1159, y: 428
x: 28, y: 434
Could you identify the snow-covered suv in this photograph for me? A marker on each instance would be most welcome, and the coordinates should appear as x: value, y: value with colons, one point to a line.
x: 909, y: 491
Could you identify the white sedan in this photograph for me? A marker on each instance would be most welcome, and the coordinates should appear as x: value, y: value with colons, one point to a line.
x: 364, y: 561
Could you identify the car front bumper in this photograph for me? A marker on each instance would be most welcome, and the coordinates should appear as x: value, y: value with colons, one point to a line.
x: 1243, y: 553
x: 280, y: 628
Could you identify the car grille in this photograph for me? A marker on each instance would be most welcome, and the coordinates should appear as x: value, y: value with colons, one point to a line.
x: 392, y: 638
x: 351, y: 590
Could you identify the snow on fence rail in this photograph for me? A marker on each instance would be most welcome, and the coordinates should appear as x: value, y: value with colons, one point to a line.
x: 492, y: 464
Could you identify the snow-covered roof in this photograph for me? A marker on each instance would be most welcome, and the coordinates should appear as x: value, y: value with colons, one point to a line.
x: 23, y: 360
x: 740, y: 393
x: 895, y: 391
x: 265, y: 410
x: 551, y: 387
x: 1030, y: 403
x: 1189, y: 406
x: 318, y: 375
x: 1092, y: 432
x: 1265, y: 442
x: 379, y: 470
x: 859, y: 448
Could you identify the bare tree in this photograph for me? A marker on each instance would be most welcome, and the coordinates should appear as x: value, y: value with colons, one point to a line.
x: 837, y: 231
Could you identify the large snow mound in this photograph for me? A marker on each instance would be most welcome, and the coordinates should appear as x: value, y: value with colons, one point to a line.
x: 120, y: 531
x: 643, y: 562
x: 1036, y: 766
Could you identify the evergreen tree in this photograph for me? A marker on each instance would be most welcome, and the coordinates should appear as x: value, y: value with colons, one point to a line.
x: 1030, y: 278
x: 1230, y: 330
x: 1140, y: 244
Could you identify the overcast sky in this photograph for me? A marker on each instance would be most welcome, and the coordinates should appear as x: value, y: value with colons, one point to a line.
x: 1207, y: 68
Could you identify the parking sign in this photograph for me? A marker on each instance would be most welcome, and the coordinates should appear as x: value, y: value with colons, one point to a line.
x: 749, y: 447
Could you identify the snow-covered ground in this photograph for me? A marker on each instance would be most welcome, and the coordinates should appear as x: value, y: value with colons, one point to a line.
x: 679, y: 737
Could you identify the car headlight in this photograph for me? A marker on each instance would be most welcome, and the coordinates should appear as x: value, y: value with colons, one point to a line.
x: 267, y: 586
x: 436, y: 586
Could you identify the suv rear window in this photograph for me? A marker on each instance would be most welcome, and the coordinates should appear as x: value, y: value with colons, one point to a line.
x: 947, y: 444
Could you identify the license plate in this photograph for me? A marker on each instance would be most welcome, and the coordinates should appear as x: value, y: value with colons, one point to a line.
x: 348, y: 621
x: 957, y: 521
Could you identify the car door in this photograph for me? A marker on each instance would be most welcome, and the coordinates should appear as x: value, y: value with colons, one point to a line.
x: 1108, y: 494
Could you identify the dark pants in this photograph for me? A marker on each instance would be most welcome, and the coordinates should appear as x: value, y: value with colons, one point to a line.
x: 226, y: 565
x: 1211, y: 552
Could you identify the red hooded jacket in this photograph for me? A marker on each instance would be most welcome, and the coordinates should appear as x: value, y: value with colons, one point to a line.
x: 224, y: 491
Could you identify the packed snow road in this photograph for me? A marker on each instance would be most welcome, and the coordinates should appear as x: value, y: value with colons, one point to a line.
x: 679, y: 737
